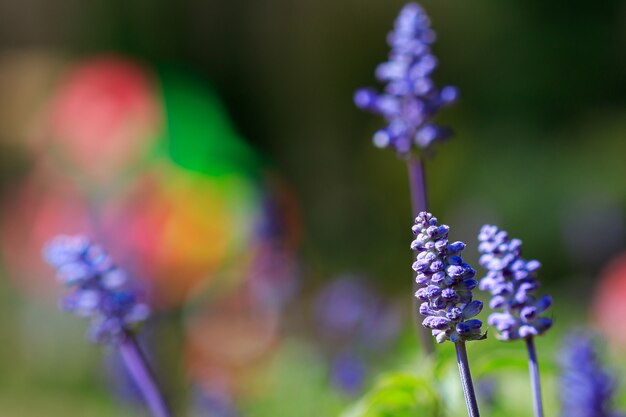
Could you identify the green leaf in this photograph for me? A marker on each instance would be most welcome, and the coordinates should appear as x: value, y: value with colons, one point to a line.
x: 198, y: 134
x: 398, y: 394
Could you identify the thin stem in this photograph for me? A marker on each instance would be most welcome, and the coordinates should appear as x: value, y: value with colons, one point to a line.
x: 533, y: 369
x: 140, y: 372
x: 466, y: 380
x: 417, y: 184
x: 417, y: 187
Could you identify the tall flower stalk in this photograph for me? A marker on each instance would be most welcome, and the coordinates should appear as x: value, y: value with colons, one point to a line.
x: 409, y: 102
x: 102, y: 292
x: 513, y: 284
x: 445, y: 289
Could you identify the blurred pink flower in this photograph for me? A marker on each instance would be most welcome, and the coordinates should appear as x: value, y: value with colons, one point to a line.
x: 102, y: 117
x: 608, y: 307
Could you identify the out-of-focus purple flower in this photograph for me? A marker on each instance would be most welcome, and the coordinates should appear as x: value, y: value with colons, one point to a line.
x: 410, y: 99
x: 486, y: 388
x: 274, y: 275
x: 352, y: 321
x: 586, y: 389
x: 101, y: 291
x: 213, y: 403
x: 348, y: 373
x: 340, y: 307
x: 348, y: 312
x: 446, y: 283
x: 513, y: 284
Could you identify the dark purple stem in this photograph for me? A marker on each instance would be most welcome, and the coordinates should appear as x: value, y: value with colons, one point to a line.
x: 139, y: 370
x: 417, y: 184
x: 533, y: 368
x: 417, y: 187
x: 466, y: 380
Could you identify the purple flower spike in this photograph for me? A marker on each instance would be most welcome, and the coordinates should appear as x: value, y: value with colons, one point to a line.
x: 410, y: 99
x: 512, y: 282
x: 587, y: 389
x: 446, y: 283
x: 101, y: 291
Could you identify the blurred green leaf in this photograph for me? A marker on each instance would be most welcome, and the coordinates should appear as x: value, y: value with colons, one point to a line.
x: 198, y: 133
x: 400, y: 394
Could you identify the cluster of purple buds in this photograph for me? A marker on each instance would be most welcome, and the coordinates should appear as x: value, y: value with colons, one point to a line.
x: 512, y: 282
x: 446, y: 283
x: 410, y: 99
x: 101, y: 291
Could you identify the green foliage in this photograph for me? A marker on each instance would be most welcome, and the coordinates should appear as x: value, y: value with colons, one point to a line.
x: 198, y: 133
x: 399, y: 394
x: 295, y: 383
x: 405, y: 393
x: 431, y: 387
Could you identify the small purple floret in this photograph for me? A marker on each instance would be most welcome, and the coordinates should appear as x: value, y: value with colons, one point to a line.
x: 445, y: 282
x: 101, y: 291
x: 410, y: 99
x: 512, y: 282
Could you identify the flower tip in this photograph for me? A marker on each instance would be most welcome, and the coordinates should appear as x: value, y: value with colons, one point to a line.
x: 412, y: 7
x: 99, y: 288
x: 513, y: 286
x: 446, y: 283
x: 411, y: 98
x: 62, y: 249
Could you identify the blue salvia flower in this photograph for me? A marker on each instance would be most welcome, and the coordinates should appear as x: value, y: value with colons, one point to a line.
x: 513, y: 284
x: 586, y: 389
x: 446, y: 283
x: 101, y: 291
x: 410, y: 99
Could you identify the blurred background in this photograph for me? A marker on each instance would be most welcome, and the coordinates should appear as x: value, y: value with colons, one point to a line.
x: 213, y: 148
